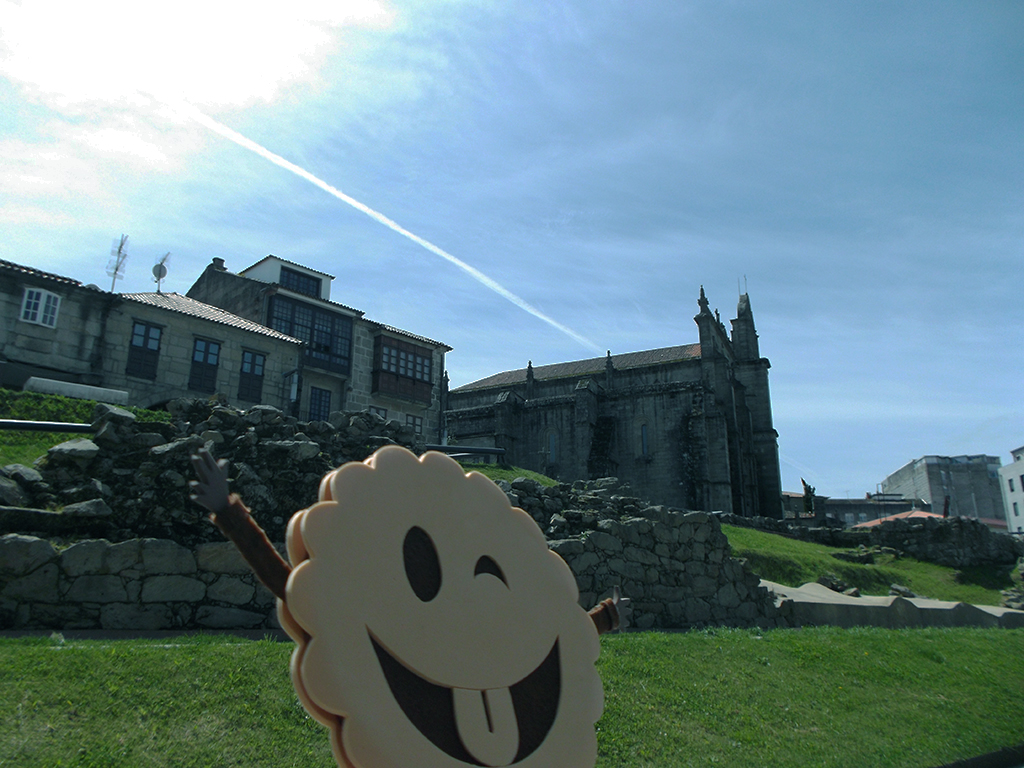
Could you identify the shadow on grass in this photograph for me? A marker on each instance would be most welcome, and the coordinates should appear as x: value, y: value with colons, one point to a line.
x: 986, y: 576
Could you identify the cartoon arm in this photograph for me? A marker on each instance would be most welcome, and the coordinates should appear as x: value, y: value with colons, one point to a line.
x: 233, y: 519
x: 612, y: 613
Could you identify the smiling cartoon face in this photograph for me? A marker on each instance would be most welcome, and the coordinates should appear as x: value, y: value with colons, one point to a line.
x: 435, y: 628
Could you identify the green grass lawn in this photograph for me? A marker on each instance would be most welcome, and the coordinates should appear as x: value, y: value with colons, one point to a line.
x: 822, y: 697
x: 18, y: 447
x: 791, y: 562
x: 26, y: 447
x: 501, y: 472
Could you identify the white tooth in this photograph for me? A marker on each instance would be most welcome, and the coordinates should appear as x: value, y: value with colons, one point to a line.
x: 487, y: 724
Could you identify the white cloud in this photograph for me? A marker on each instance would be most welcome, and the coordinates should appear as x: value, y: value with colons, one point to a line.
x: 213, y: 54
x: 113, y: 141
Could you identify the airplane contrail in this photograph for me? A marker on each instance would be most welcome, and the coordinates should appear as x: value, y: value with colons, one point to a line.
x: 222, y: 130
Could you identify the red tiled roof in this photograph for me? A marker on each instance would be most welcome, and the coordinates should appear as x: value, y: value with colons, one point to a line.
x: 914, y: 513
x: 175, y: 302
x: 590, y: 367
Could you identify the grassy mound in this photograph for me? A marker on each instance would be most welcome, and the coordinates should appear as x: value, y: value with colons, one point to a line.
x: 791, y: 562
x: 17, y: 447
x: 503, y: 472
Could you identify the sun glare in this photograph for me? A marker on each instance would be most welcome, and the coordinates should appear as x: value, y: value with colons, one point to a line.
x: 213, y: 54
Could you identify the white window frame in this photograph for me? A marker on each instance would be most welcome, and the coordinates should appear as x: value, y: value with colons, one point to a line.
x: 40, y: 307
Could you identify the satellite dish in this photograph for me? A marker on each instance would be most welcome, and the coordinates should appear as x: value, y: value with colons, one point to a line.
x: 160, y: 270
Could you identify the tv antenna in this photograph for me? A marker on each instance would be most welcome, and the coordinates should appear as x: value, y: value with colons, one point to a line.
x: 160, y: 270
x: 119, y: 254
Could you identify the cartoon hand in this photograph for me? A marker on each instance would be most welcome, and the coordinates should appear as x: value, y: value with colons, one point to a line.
x: 211, y: 490
x: 622, y: 606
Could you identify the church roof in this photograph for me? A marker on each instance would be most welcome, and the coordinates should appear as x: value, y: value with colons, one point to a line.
x: 590, y: 367
x: 175, y: 302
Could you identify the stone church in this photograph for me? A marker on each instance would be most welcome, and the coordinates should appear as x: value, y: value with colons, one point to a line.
x: 688, y: 426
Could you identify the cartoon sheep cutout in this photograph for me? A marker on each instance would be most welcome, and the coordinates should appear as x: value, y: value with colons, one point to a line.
x: 433, y: 627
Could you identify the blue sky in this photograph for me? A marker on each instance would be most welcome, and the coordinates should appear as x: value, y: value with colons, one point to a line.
x: 857, y: 168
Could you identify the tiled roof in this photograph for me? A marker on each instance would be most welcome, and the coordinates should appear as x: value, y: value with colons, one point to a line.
x: 175, y: 302
x: 38, y: 273
x: 400, y: 332
x: 593, y: 366
x: 285, y: 261
x: 914, y: 513
x: 299, y: 296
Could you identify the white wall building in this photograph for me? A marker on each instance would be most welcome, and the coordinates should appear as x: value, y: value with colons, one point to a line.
x: 1011, y: 480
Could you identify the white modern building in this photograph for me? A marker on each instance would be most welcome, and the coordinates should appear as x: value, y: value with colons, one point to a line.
x: 1011, y: 481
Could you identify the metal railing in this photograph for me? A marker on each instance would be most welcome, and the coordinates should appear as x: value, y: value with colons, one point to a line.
x: 43, y: 426
x: 66, y: 426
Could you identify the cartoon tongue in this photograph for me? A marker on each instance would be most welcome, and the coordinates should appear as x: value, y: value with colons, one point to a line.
x: 487, y: 724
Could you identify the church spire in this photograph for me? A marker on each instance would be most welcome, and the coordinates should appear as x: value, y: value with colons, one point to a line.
x: 702, y: 302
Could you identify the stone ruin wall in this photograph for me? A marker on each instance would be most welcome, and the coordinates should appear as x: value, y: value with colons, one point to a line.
x: 131, y: 479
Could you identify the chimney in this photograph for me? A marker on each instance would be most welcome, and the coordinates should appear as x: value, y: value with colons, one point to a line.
x: 218, y: 264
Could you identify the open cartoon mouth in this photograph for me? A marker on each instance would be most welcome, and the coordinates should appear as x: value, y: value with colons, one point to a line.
x: 478, y: 727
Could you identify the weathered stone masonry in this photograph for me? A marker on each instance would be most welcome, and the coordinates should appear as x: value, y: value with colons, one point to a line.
x: 139, y: 584
x: 675, y: 566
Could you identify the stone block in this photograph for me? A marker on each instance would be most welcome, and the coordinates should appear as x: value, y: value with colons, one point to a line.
x: 22, y: 474
x: 227, y: 618
x: 97, y: 589
x: 566, y: 548
x: 165, y: 556
x: 645, y: 621
x: 39, y: 586
x: 105, y: 413
x: 668, y: 594
x: 697, y: 611
x: 230, y: 589
x: 123, y: 555
x: 602, y: 540
x: 702, y: 586
x: 11, y: 494
x: 63, y: 616
x: 747, y: 611
x: 166, y: 589
x: 221, y: 557
x: 701, y: 533
x: 137, y: 617
x: 87, y: 556
x: 643, y: 556
x: 264, y: 597
x: 665, y: 534
x: 613, y: 527
x: 21, y: 554
x: 133, y: 589
x: 727, y: 597
x: 147, y: 440
x: 582, y: 562
x: 90, y: 508
x: 81, y: 451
